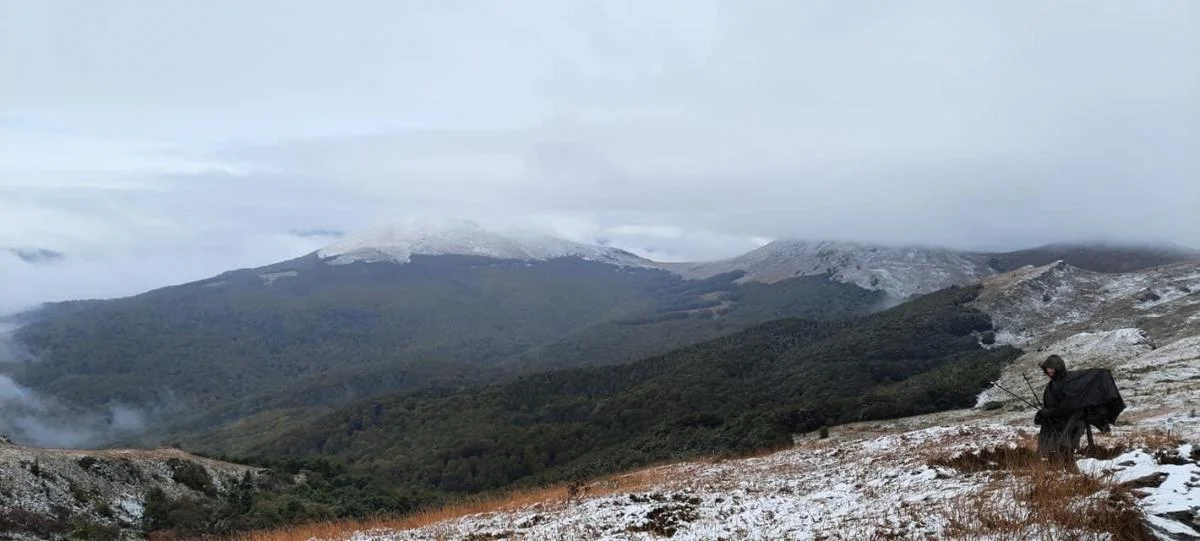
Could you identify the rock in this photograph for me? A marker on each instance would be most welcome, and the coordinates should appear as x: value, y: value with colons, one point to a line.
x: 1150, y: 481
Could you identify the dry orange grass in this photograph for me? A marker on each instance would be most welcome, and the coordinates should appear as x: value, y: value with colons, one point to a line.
x: 546, y: 496
x: 1150, y: 439
x: 1028, y: 497
x: 343, y: 529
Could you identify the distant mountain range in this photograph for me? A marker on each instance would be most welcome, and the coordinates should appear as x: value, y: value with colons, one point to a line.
x: 449, y: 305
x: 904, y: 271
x: 443, y: 359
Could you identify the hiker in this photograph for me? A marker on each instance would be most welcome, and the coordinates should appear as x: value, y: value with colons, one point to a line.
x: 1072, y: 403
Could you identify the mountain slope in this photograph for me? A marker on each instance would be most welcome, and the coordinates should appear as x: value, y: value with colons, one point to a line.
x: 738, y: 393
x: 338, y: 325
x: 247, y: 329
x: 439, y: 305
x: 55, y: 494
x: 963, y: 474
x: 460, y: 237
x: 1107, y: 258
x: 904, y: 271
x: 1130, y: 322
x: 899, y: 271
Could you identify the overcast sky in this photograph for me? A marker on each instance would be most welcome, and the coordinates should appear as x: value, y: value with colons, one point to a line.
x: 162, y: 141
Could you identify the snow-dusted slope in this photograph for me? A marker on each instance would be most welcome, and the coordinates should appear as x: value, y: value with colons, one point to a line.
x: 931, y: 477
x: 399, y: 243
x: 1134, y: 323
x: 899, y: 271
x: 1051, y: 301
x: 47, y: 493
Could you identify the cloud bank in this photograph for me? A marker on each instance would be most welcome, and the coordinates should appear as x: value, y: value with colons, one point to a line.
x: 161, y: 142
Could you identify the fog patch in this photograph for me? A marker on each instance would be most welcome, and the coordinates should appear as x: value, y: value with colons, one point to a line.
x: 12, y: 350
x: 31, y: 418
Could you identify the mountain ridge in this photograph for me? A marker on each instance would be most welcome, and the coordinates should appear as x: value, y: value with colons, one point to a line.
x: 905, y: 270
x: 399, y: 318
x: 397, y: 244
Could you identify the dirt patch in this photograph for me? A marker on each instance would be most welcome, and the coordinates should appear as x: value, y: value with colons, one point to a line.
x: 989, y: 459
x: 664, y: 520
x: 1170, y: 456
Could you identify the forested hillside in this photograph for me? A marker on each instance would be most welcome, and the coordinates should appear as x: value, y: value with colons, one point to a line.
x: 742, y: 392
x: 305, y: 334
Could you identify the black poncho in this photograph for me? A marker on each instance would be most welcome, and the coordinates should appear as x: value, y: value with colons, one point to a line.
x: 1091, y: 389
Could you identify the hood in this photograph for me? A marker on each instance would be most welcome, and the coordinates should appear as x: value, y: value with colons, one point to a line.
x: 1057, y: 363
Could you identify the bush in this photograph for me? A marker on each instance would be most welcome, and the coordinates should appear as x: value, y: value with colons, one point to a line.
x: 93, y: 531
x: 192, y: 475
x: 22, y: 520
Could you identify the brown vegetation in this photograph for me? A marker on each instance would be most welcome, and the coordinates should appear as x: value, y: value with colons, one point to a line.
x: 547, y: 497
x: 1029, y: 497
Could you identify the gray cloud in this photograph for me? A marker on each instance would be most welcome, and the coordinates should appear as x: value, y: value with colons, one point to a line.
x: 160, y: 141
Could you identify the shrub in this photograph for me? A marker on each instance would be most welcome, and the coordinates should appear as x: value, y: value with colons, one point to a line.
x: 192, y: 475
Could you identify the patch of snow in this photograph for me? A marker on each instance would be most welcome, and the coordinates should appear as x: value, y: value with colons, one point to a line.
x: 1178, y: 491
x: 131, y: 506
x: 272, y: 277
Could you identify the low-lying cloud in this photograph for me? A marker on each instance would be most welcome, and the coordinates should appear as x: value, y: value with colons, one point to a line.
x: 28, y: 418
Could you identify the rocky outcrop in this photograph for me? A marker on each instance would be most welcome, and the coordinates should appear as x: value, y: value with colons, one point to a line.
x: 57, y: 494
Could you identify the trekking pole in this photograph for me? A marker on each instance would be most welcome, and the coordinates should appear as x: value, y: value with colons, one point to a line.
x: 1035, y: 398
x: 1015, y: 395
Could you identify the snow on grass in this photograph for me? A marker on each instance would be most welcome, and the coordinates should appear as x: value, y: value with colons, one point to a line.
x: 1179, y: 360
x: 953, y: 475
x: 1113, y: 346
x: 841, y: 488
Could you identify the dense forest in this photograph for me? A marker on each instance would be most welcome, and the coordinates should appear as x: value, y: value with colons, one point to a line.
x: 746, y: 391
x: 304, y: 335
x: 466, y: 427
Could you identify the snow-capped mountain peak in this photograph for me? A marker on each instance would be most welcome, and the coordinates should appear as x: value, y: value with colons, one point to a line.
x: 397, y: 244
x: 900, y: 271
